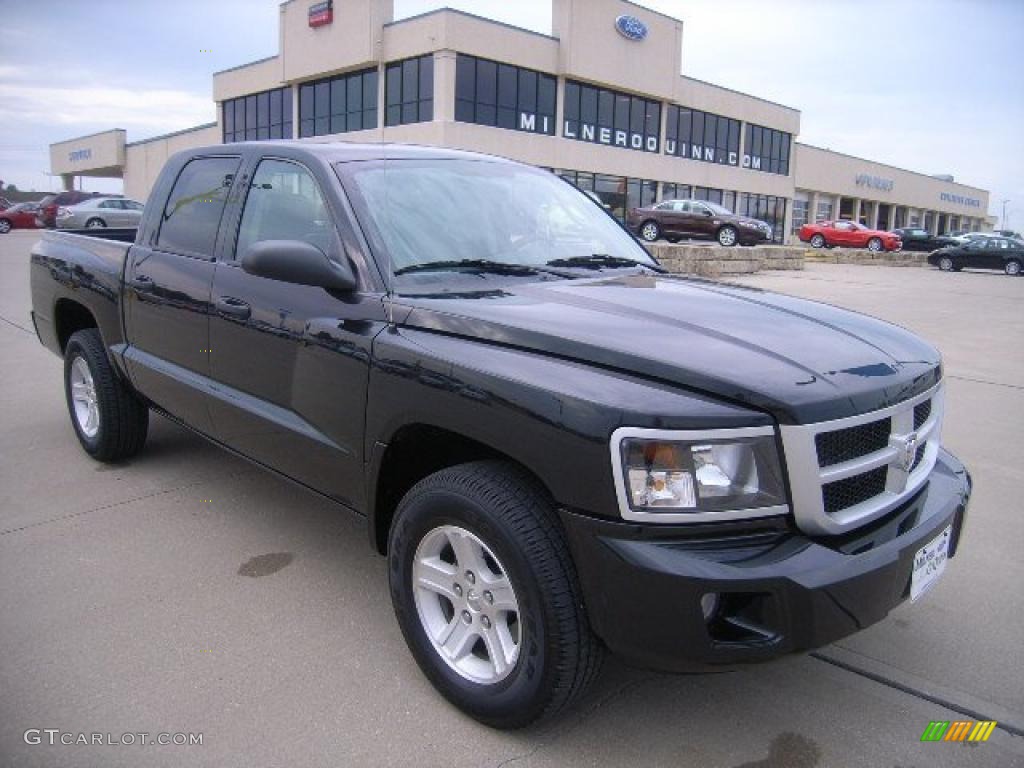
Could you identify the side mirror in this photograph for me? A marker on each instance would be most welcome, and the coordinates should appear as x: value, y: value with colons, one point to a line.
x: 295, y: 261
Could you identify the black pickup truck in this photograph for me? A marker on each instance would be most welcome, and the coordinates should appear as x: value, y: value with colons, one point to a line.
x: 561, y: 449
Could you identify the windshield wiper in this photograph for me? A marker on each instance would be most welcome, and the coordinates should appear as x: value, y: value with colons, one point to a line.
x: 478, y: 265
x: 599, y: 260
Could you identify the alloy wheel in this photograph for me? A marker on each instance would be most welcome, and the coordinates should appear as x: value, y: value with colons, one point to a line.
x: 467, y: 605
x: 83, y: 396
x: 649, y: 232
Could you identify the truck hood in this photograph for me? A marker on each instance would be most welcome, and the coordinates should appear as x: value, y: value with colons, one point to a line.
x: 799, y: 360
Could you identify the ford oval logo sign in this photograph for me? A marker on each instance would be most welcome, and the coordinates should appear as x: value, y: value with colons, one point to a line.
x: 631, y: 27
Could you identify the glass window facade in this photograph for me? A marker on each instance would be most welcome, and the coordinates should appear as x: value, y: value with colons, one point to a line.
x: 501, y: 95
x: 338, y: 104
x: 768, y: 208
x: 266, y: 115
x: 671, y: 191
x: 766, y: 149
x: 824, y: 212
x: 616, y: 119
x: 409, y: 91
x: 617, y: 193
x: 702, y: 136
x: 801, y: 211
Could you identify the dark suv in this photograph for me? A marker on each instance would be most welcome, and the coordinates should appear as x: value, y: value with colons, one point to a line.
x: 675, y: 219
x: 49, y: 205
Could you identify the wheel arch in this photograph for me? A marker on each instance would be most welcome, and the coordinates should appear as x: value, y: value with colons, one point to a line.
x: 69, y: 317
x: 413, y: 452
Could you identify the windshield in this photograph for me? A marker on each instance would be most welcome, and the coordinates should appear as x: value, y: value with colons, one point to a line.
x: 427, y: 211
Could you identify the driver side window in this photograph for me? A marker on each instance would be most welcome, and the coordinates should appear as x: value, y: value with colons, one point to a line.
x: 284, y: 203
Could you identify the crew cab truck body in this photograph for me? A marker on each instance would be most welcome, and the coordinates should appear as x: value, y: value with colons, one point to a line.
x: 560, y: 449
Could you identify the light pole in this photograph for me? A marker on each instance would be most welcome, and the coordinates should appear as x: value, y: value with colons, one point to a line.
x: 1002, y: 219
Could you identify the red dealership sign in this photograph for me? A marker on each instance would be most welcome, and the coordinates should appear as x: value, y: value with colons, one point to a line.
x: 321, y: 13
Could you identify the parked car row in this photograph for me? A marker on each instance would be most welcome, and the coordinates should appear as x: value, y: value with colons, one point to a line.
x: 676, y: 219
x: 86, y: 211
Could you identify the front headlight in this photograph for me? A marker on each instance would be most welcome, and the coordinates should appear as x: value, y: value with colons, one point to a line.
x: 667, y: 476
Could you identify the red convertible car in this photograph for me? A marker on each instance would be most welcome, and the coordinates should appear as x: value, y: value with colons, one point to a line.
x: 849, y: 234
x: 20, y: 216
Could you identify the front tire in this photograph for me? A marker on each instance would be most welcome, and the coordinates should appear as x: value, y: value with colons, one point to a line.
x: 110, y: 421
x: 1012, y: 267
x: 485, y: 591
x: 818, y: 241
x: 727, y: 236
x: 875, y: 244
x: 650, y: 231
x: 95, y: 223
x: 946, y: 264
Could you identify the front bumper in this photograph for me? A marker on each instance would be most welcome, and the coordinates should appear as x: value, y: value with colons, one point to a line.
x: 780, y: 590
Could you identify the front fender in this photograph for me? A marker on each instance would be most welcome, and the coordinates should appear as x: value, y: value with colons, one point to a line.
x: 554, y: 416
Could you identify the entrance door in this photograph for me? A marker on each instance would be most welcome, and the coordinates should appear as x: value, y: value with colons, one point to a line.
x: 292, y: 361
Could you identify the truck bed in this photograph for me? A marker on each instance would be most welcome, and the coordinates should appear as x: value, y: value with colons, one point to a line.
x: 82, y: 266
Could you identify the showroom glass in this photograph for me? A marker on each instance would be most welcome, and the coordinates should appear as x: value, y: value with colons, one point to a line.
x: 617, y: 193
x: 501, y: 95
x: 192, y: 215
x: 676, y: 191
x: 617, y: 119
x: 266, y: 115
x: 409, y: 91
x: 284, y: 203
x: 801, y: 208
x: 338, y: 104
x: 702, y: 136
x: 767, y: 208
x: 766, y: 149
x: 520, y: 215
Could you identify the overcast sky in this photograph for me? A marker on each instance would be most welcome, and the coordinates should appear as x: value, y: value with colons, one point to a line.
x: 935, y: 86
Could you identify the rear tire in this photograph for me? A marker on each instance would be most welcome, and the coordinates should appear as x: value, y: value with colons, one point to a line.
x: 109, y: 419
x: 946, y: 264
x: 650, y: 231
x: 492, y: 519
x: 5, y: 226
x: 95, y: 223
x: 1012, y: 267
x: 727, y: 236
x: 818, y: 241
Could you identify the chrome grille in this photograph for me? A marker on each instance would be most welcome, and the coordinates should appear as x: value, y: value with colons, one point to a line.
x: 847, y: 472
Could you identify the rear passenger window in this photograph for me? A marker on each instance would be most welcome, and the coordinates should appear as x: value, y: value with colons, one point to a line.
x: 192, y: 214
x: 284, y: 203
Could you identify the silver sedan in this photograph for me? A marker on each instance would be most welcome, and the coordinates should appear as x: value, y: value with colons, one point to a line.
x: 100, y: 212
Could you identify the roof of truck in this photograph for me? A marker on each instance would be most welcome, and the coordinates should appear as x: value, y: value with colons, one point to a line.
x: 345, y: 151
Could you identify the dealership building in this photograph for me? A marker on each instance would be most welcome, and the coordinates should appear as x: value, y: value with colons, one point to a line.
x: 600, y: 101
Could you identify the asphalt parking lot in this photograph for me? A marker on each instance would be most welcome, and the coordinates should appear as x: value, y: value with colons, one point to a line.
x: 131, y: 600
